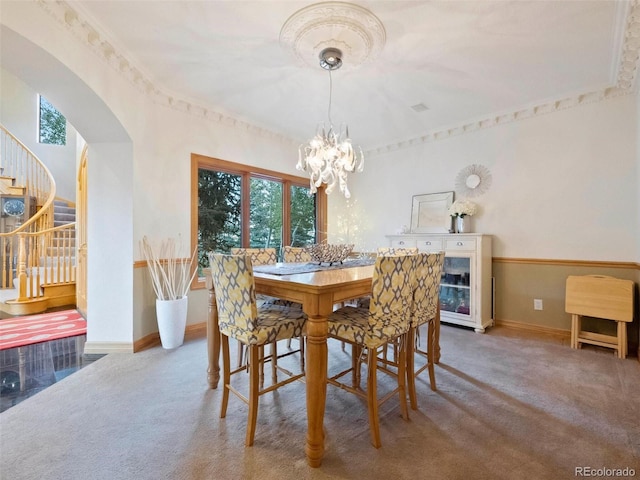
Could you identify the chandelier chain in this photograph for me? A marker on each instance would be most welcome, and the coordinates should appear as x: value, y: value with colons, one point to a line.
x: 330, y: 98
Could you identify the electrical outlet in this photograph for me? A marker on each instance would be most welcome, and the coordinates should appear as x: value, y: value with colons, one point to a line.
x: 537, y: 304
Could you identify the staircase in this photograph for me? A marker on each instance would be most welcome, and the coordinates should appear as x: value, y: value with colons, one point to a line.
x: 63, y: 213
x: 37, y: 249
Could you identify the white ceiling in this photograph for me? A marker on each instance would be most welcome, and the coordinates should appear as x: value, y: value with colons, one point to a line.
x: 465, y: 60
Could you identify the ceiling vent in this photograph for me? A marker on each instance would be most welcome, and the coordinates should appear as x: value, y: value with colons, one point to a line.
x: 420, y: 107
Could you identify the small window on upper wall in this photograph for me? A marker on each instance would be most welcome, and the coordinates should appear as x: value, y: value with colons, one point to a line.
x: 52, y: 126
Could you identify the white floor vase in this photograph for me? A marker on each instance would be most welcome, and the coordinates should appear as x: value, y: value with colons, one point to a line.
x: 172, y: 320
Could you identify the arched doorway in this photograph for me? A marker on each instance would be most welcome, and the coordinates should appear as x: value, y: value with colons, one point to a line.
x: 109, y: 293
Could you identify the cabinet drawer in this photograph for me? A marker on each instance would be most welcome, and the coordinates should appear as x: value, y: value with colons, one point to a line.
x: 429, y: 245
x: 461, y: 244
x: 403, y: 243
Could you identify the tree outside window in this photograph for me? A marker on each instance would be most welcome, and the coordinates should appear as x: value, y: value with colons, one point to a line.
x: 52, y: 124
x: 303, y: 224
x: 265, y: 214
x: 219, y: 213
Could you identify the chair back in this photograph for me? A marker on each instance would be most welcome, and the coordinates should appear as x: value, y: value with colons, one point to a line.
x: 295, y: 255
x: 426, y: 296
x: 397, y: 251
x: 259, y: 256
x: 235, y: 291
x: 392, y: 290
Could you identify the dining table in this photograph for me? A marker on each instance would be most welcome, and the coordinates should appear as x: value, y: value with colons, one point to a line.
x: 318, y: 292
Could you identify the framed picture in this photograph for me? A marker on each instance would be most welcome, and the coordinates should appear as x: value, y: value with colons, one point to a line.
x: 430, y: 213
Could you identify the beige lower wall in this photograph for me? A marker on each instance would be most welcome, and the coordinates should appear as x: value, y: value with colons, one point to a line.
x: 518, y: 282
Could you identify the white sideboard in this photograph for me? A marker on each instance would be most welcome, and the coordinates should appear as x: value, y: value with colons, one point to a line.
x: 466, y: 287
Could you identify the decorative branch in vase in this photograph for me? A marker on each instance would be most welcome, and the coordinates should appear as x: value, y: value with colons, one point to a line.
x: 171, y: 275
x: 459, y: 210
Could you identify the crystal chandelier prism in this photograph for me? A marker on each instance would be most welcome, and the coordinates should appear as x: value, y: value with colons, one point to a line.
x: 329, y: 156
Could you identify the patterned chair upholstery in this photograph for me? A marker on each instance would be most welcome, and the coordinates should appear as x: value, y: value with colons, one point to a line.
x: 239, y: 317
x: 363, y: 302
x: 372, y: 329
x: 267, y: 256
x: 426, y: 309
x: 295, y: 255
x: 259, y: 256
x: 397, y: 251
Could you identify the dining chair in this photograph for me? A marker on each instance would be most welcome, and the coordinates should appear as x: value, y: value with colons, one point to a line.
x: 268, y: 256
x: 363, y: 302
x: 426, y: 310
x: 370, y: 330
x: 295, y: 254
x: 259, y: 256
x: 239, y: 317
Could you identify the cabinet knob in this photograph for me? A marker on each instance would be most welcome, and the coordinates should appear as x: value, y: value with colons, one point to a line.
x: 427, y: 243
x: 459, y: 244
x: 401, y: 242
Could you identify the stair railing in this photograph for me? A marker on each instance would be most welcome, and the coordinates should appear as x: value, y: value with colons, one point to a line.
x: 45, y: 258
x: 29, y: 173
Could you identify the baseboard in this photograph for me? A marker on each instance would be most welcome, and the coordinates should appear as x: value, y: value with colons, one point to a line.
x: 528, y: 327
x: 194, y: 330
x: 103, y: 348
x: 148, y: 341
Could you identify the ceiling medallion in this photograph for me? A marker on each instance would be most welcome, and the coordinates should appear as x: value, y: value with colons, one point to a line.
x: 354, y: 30
x: 473, y: 181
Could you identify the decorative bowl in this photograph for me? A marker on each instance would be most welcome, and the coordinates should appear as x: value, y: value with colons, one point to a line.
x: 327, y: 253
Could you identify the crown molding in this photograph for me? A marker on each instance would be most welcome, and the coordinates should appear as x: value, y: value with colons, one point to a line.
x: 626, y: 83
x: 80, y: 26
x: 504, y: 118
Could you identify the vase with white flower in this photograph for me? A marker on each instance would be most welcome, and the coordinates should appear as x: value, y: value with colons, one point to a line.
x: 459, y: 210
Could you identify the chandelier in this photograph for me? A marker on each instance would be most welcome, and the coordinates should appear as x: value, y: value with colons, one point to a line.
x: 329, y: 155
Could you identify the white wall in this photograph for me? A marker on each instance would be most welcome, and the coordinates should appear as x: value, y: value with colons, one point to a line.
x: 19, y: 114
x: 565, y: 185
x: 139, y: 160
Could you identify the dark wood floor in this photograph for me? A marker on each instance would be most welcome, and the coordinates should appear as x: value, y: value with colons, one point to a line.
x: 42, y: 364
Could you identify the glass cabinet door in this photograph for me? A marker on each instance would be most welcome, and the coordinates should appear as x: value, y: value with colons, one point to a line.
x: 455, y: 288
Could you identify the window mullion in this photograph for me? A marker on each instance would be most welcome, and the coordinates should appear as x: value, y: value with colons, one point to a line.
x: 246, y: 208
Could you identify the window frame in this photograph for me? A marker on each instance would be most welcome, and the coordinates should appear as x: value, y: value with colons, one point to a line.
x: 247, y: 172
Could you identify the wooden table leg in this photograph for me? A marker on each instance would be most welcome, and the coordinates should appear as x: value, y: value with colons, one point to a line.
x: 436, y: 339
x: 317, y: 310
x: 213, y: 336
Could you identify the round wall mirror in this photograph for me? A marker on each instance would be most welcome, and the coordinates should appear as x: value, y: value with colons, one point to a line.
x: 473, y: 180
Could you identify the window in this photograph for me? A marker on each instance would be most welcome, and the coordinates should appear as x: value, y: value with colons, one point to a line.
x: 236, y: 205
x: 52, y: 126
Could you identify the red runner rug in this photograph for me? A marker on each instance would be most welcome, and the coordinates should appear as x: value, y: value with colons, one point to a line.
x: 20, y: 331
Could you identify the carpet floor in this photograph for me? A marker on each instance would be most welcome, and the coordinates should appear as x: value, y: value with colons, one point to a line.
x: 507, y: 407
